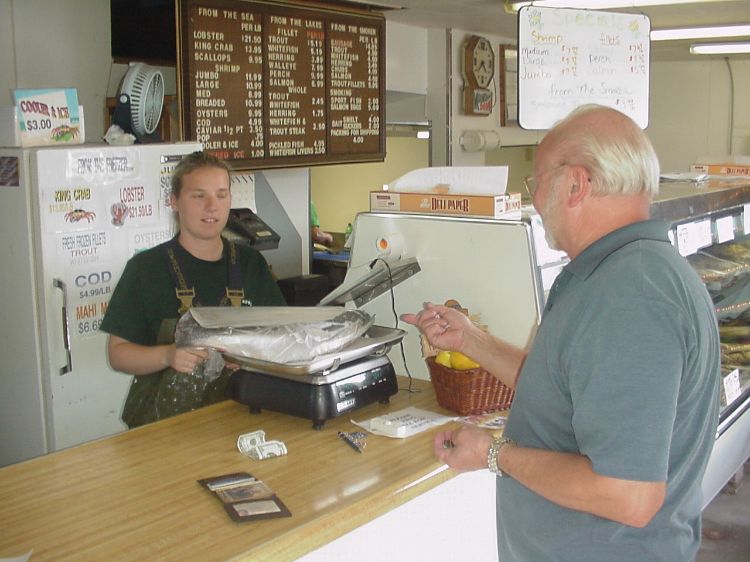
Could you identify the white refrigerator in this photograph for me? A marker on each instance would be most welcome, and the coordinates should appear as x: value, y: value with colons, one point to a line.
x: 70, y: 219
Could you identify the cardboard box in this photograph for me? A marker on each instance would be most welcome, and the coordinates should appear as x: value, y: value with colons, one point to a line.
x: 505, y: 206
x: 721, y: 169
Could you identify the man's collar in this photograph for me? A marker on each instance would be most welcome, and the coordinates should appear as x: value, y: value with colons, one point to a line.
x: 588, y: 260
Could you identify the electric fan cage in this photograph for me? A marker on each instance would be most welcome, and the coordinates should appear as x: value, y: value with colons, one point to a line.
x: 144, y: 85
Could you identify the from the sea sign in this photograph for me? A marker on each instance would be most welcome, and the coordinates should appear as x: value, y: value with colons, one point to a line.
x: 272, y: 84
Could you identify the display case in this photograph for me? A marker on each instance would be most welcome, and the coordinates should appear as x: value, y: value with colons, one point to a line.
x: 711, y: 228
x: 511, y: 258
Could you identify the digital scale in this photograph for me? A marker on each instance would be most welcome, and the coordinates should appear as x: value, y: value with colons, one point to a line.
x: 336, y: 383
x: 324, y: 388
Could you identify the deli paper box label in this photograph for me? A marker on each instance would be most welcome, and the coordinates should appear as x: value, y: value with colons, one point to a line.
x: 504, y: 206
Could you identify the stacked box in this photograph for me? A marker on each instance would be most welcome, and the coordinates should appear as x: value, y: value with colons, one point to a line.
x: 503, y: 206
x: 721, y: 169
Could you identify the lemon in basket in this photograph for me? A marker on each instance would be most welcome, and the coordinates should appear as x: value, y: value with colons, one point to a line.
x: 443, y: 358
x: 460, y: 362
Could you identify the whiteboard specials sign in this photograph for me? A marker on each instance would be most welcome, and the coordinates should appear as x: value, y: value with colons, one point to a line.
x: 568, y: 58
x: 48, y: 116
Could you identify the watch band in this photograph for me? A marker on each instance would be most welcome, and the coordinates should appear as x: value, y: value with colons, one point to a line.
x: 494, y: 451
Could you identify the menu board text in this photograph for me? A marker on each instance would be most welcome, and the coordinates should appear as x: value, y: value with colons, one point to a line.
x: 268, y: 85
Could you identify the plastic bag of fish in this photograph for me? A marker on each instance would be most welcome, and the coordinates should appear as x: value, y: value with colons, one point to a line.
x: 278, y: 341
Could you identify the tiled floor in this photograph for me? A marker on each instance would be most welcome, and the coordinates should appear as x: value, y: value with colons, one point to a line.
x: 726, y: 525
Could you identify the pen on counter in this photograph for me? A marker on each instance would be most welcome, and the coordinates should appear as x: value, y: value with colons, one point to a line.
x: 349, y: 441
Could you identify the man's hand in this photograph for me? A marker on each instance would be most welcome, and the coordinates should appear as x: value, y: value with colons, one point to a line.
x: 463, y: 449
x: 444, y: 327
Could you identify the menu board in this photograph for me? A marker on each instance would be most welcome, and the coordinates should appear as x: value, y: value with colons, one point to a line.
x: 568, y: 58
x: 270, y: 84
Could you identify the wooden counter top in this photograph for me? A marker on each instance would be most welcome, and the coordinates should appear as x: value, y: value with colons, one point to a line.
x: 134, y: 496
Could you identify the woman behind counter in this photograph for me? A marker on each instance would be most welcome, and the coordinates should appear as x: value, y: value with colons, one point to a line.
x: 196, y: 268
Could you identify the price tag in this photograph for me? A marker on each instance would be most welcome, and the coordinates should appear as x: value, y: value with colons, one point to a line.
x: 48, y: 116
x: 725, y: 229
x: 693, y: 236
x: 703, y: 234
x: 732, y: 387
x: 746, y: 219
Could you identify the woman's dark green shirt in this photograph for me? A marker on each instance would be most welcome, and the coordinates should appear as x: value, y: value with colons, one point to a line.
x: 145, y: 295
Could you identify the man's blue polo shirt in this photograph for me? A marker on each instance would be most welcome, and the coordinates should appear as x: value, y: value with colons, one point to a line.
x: 624, y: 370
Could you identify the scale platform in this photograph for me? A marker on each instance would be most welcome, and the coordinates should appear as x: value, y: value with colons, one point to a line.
x: 323, y: 388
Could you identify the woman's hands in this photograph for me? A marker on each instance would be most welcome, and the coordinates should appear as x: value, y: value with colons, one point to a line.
x: 139, y: 359
x: 185, y: 359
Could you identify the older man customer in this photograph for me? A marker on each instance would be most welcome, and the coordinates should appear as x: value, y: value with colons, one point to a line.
x: 617, y: 399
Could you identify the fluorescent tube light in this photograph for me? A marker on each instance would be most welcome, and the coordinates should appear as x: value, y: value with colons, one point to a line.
x: 709, y: 32
x: 600, y: 4
x: 720, y: 48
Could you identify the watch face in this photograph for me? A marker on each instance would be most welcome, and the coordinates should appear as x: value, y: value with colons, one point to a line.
x: 483, y: 63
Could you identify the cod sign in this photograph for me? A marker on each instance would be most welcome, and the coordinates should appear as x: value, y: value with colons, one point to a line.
x: 93, y: 279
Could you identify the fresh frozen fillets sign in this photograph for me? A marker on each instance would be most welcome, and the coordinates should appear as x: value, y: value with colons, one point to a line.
x: 48, y: 116
x: 98, y: 207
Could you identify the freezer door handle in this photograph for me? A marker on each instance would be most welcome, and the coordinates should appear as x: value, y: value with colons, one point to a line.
x: 59, y: 284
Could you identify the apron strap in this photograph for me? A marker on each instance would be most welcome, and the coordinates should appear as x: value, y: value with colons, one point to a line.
x: 234, y: 292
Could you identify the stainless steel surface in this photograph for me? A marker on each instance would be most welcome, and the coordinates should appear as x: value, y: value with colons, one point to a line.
x: 352, y: 372
x: 380, y: 277
x: 678, y: 201
x: 731, y: 451
x: 376, y: 341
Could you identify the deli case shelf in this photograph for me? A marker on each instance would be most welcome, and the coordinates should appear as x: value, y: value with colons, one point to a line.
x: 710, y: 226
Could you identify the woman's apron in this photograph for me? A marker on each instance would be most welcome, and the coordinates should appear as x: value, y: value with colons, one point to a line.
x: 167, y: 392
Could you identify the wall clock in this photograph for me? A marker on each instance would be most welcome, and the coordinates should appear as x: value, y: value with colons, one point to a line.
x: 478, y: 71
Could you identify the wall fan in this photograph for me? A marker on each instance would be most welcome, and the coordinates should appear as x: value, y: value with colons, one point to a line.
x: 140, y: 101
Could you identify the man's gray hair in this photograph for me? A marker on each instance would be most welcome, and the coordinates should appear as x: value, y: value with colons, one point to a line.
x: 618, y: 156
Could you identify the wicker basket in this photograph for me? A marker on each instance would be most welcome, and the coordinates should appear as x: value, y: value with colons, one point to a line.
x: 473, y: 391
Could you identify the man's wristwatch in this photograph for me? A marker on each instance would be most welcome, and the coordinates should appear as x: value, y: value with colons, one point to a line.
x: 492, y: 454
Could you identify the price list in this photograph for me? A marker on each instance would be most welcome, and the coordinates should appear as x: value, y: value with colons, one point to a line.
x: 354, y: 56
x: 265, y: 84
x: 251, y: 28
x: 296, y: 86
x: 221, y: 55
x: 570, y: 57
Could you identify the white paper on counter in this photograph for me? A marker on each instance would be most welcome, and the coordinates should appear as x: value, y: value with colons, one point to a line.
x: 696, y: 177
x: 415, y: 421
x: 22, y: 558
x: 466, y: 180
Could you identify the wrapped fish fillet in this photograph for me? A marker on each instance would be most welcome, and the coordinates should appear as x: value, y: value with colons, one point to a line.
x: 270, y: 337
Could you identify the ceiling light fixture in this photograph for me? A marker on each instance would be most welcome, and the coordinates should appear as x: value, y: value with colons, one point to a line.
x: 512, y: 6
x: 708, y: 32
x: 720, y: 48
